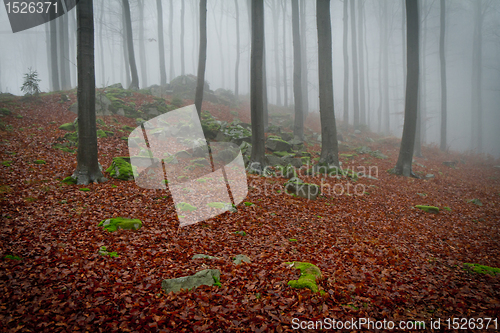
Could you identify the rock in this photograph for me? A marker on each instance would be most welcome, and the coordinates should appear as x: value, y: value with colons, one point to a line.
x: 206, y: 277
x: 67, y: 127
x: 296, y: 142
x: 319, y: 138
x: 378, y: 154
x: 203, y: 256
x: 153, y: 112
x: 308, y: 275
x: 120, y: 112
x: 241, y: 258
x: 476, y: 202
x: 226, y: 155
x: 369, y: 177
x: 340, y: 137
x: 286, y: 136
x: 303, y: 190
x: 116, y: 85
x: 255, y: 168
x: 121, y: 169
x: 369, y: 140
x: 289, y: 172
x: 116, y: 223
x: 246, y: 148
x: 296, y: 180
x: 295, y: 162
x: 451, y: 164
x: 363, y: 150
x: 273, y: 160
x: 429, y: 175
x: 278, y: 145
x: 182, y: 154
x: 357, y: 132
x: 74, y: 108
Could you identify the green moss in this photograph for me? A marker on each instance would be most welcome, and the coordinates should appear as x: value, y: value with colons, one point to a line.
x: 84, y: 189
x: 428, y: 209
x: 5, y: 111
x: 121, y: 169
x: 308, y: 275
x: 241, y: 233
x: 109, y: 133
x: 7, y: 163
x: 128, y: 128
x: 292, y: 240
x: 100, y: 122
x: 73, y: 137
x: 481, y: 269
x: 248, y: 203
x: 104, y: 252
x: 101, y: 134
x: 67, y: 127
x: 39, y: 162
x: 114, y: 224
x: 69, y: 180
x: 9, y: 256
x: 281, y: 153
x: 185, y: 207
x: 18, y: 116
x: 476, y: 202
x: 447, y: 208
x: 217, y: 282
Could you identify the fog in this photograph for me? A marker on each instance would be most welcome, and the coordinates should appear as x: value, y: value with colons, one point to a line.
x: 27, y: 49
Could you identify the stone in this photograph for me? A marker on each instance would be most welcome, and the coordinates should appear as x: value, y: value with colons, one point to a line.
x: 203, y: 256
x: 273, y: 160
x: 206, y: 277
x: 378, y: 154
x: 120, y: 112
x: 357, y: 132
x: 295, y: 162
x: 286, y: 136
x: 308, y: 275
x: 303, y: 190
x: 340, y: 137
x: 241, y: 258
x: 182, y: 154
x: 363, y: 150
x: 74, y: 108
x: 255, y: 168
x: 116, y: 223
x: 369, y: 140
x: 451, y: 164
x: 67, y: 127
x: 121, y: 169
x: 153, y: 112
x: 429, y: 175
x: 278, y: 145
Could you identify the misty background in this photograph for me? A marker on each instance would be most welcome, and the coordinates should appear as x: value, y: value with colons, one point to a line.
x: 383, y: 37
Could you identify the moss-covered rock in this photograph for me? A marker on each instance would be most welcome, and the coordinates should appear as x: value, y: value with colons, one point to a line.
x: 100, y: 122
x: 69, y: 180
x: 101, y: 134
x: 428, y: 209
x: 104, y: 252
x: 67, y: 127
x: 185, y: 207
x: 308, y: 275
x: 121, y: 169
x: 73, y: 137
x: 114, y: 224
x: 481, y: 269
x: 476, y: 202
x: 5, y: 111
x: 39, y: 162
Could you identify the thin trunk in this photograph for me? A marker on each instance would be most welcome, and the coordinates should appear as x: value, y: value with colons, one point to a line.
x: 202, y: 59
x: 221, y: 49
x: 403, y: 38
x: 62, y: 73
x: 256, y: 84
x: 182, y: 37
x: 355, y: 84
x: 130, y: 45
x: 101, y: 47
x: 276, y: 18
x: 171, y: 39
x: 66, y: 62
x: 346, y: 67
x: 49, y: 54
x: 126, y: 59
x: 87, y: 170
x: 264, y: 88
x: 385, y: 69
x: 54, y: 58
x: 362, y: 101
x: 237, y: 66
x: 161, y: 43
x: 329, y: 143
x: 142, y: 47
x: 443, y: 75
x: 417, y: 150
x: 303, y: 57
x: 423, y: 102
x: 285, y: 82
x: 298, y: 129
x: 477, y: 106
x: 380, y: 63
x: 368, y: 100
x: 404, y: 163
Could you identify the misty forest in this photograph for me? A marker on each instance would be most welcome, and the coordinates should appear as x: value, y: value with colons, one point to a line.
x: 356, y: 143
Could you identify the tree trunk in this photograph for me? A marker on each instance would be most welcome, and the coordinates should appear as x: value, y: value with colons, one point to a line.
x: 285, y: 82
x: 380, y: 65
x: 303, y: 57
x: 171, y: 40
x: 477, y: 73
x: 385, y: 69
x: 404, y: 163
x: 126, y: 60
x: 65, y: 52
x: 362, y: 101
x: 101, y: 47
x: 87, y: 169
x: 329, y: 143
x: 60, y: 50
x: 221, y: 49
x: 443, y: 75
x: 161, y: 43
x: 256, y: 84
x: 182, y: 38
x: 355, y: 85
x: 346, y: 67
x: 237, y: 66
x: 417, y: 150
x: 142, y: 47
x: 367, y: 72
x: 202, y: 58
x: 49, y: 54
x: 264, y: 88
x: 298, y: 129
x: 53, y: 56
x: 276, y: 18
x: 403, y: 38
x: 130, y: 45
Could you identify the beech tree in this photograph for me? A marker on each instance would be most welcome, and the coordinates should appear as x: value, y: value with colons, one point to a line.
x: 202, y: 58
x: 298, y: 128
x: 346, y: 67
x: 355, y: 74
x: 130, y: 46
x: 443, y: 75
x: 161, y: 43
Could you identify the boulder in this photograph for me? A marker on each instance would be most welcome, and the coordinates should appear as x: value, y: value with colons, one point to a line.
x: 278, y: 145
x: 120, y: 112
x: 114, y: 224
x: 67, y: 127
x: 241, y: 258
x: 303, y: 190
x: 206, y: 277
x: 357, y: 132
x: 378, y: 154
x: 451, y: 164
x: 203, y: 256
x: 363, y: 150
x: 273, y: 160
x: 121, y: 169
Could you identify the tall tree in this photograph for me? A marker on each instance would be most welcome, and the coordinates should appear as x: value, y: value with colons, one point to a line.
x: 161, y: 43
x: 87, y: 169
x: 49, y: 54
x: 276, y: 18
x: 202, y: 58
x: 130, y: 45
x: 285, y: 83
x: 237, y: 65
x: 362, y: 101
x: 385, y: 69
x: 142, y: 47
x: 367, y: 72
x: 477, y: 78
x: 346, y: 66
x: 171, y: 39
x: 329, y: 144
x: 101, y: 47
x: 53, y: 56
x: 355, y: 86
x: 403, y: 38
x: 298, y: 128
x: 62, y: 30
x: 126, y: 59
x: 303, y: 56
x: 443, y: 75
x: 256, y: 85
x: 404, y: 163
x: 182, y: 37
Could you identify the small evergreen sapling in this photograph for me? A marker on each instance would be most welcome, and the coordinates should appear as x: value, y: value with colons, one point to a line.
x: 30, y: 86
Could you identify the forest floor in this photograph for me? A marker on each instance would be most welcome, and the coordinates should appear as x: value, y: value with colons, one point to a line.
x: 380, y: 257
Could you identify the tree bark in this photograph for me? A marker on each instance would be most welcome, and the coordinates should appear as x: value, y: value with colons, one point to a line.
x: 298, y: 129
x: 385, y: 70
x: 346, y: 67
x: 368, y: 100
x: 54, y: 57
x: 362, y: 101
x: 256, y: 84
x: 355, y: 84
x: 329, y: 143
x: 64, y: 52
x: 276, y: 18
x: 142, y: 47
x: 161, y: 43
x: 101, y: 47
x: 443, y: 75
x: 285, y: 82
x: 171, y: 40
x: 182, y: 38
x: 403, y: 38
x: 303, y: 57
x: 477, y: 73
x: 237, y: 65
x: 202, y: 58
x: 404, y: 163
x: 49, y: 54
x: 130, y: 45
x: 87, y: 169
x: 126, y: 60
